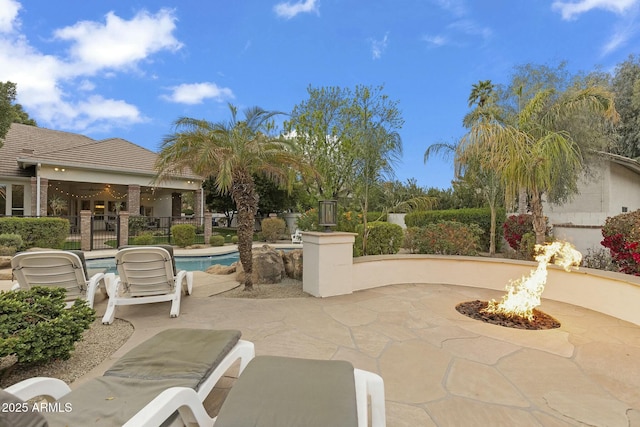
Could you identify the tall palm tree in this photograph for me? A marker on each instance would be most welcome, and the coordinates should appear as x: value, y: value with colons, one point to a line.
x: 481, y: 93
x: 535, y: 154
x: 231, y: 153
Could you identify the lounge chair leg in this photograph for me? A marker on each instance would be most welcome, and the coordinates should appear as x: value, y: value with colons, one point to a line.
x: 110, y: 314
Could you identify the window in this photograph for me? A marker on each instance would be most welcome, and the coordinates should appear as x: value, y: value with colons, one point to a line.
x: 3, y: 199
x: 17, y: 200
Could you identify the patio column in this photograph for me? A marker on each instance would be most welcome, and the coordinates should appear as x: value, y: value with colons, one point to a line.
x: 133, y: 199
x: 85, y: 230
x: 327, y: 263
x: 197, y: 204
x: 176, y: 204
x: 208, y: 217
x: 123, y: 228
x: 44, y: 186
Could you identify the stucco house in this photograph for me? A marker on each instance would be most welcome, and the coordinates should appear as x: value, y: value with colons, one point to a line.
x: 45, y: 172
x: 612, y: 188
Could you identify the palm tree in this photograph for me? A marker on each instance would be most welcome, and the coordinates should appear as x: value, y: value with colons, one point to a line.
x: 535, y: 154
x: 231, y: 153
x: 481, y: 93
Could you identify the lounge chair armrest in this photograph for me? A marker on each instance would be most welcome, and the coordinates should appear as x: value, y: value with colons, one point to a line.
x: 51, y: 388
x: 182, y: 399
x: 372, y: 385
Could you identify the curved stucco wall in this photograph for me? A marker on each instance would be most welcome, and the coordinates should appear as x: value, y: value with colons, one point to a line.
x: 614, y: 294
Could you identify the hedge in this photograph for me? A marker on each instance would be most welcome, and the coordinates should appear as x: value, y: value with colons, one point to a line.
x: 479, y: 216
x: 46, y: 232
x: 383, y: 238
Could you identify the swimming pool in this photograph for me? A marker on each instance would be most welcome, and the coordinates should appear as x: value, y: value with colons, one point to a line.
x: 188, y: 263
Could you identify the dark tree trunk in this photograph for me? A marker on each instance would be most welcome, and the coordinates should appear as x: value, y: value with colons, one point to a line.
x: 539, y: 222
x: 246, y: 200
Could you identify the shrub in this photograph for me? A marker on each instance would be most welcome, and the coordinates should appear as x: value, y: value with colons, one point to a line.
x: 183, y: 234
x: 234, y: 239
x: 410, y: 242
x: 10, y: 244
x: 479, y: 216
x: 308, y: 221
x: 46, y: 232
x: 137, y: 224
x: 273, y: 228
x: 448, y: 238
x: 36, y: 327
x: 515, y: 227
x: 382, y: 238
x: 622, y: 237
x: 216, y: 240
x: 599, y: 259
x: 145, y: 238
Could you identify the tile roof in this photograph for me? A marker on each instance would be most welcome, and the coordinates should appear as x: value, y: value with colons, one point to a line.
x: 32, y: 145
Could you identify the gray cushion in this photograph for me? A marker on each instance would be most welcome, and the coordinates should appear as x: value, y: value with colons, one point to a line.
x: 15, y: 412
x: 187, y: 354
x: 287, y: 392
x: 109, y: 401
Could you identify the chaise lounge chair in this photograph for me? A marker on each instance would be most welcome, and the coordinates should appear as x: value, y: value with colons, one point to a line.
x: 161, y: 380
x: 287, y: 392
x: 147, y: 274
x: 66, y: 269
x: 296, y: 237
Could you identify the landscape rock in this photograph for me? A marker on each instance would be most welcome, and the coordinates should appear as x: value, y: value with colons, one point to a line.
x: 268, y: 266
x: 221, y: 269
x: 293, y: 263
x: 5, y: 262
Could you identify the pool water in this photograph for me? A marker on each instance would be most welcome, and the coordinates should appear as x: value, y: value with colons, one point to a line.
x: 188, y: 263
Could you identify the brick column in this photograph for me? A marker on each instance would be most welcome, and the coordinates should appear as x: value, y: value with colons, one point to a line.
x: 208, y: 216
x: 123, y: 225
x: 133, y: 199
x: 85, y: 230
x: 197, y: 201
x: 44, y: 187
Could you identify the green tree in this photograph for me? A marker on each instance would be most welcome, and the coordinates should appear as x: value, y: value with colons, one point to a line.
x: 626, y: 86
x: 534, y: 154
x: 374, y: 122
x: 10, y: 112
x: 320, y: 125
x: 231, y: 153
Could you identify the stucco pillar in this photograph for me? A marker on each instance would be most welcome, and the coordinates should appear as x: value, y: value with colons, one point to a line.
x: 123, y: 230
x: 208, y: 216
x: 176, y: 204
x: 44, y: 186
x: 85, y: 230
x: 327, y: 263
x: 133, y: 199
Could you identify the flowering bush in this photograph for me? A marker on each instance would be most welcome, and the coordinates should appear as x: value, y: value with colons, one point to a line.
x: 622, y: 237
x: 515, y: 227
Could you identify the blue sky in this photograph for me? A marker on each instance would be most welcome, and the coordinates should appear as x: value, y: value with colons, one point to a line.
x: 128, y: 69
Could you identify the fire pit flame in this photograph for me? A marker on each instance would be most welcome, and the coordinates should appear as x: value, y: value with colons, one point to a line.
x: 523, y: 295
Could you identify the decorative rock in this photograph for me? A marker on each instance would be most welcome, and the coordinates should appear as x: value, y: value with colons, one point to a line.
x: 267, y: 266
x: 5, y: 262
x: 221, y: 269
x: 6, y: 274
x: 293, y: 263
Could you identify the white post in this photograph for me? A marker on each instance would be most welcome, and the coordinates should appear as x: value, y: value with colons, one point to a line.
x: 327, y: 263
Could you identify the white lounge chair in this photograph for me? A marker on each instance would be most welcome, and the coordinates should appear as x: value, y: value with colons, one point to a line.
x: 146, y: 274
x: 287, y: 392
x: 165, y: 378
x: 66, y: 269
x: 296, y: 237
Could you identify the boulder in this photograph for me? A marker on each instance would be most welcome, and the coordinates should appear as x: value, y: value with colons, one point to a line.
x: 267, y: 266
x: 5, y: 262
x: 293, y: 263
x: 221, y: 269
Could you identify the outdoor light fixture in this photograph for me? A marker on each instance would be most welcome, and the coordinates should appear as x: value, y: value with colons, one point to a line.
x: 328, y: 214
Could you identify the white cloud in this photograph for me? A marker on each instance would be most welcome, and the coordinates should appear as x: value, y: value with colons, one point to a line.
x: 8, y: 15
x: 436, y: 41
x: 456, y: 7
x: 379, y: 46
x: 289, y: 10
x: 55, y: 89
x: 196, y: 93
x: 571, y: 9
x: 118, y: 43
x: 470, y: 28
